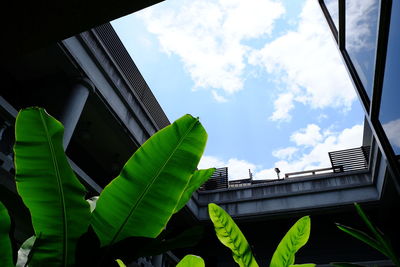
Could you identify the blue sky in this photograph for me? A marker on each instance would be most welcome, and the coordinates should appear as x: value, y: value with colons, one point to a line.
x: 264, y: 77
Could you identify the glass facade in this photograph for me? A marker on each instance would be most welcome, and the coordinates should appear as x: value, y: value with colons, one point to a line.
x: 361, y: 38
x: 389, y: 114
x: 333, y: 8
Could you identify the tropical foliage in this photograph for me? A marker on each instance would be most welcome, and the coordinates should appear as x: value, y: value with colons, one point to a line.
x: 377, y: 240
x: 230, y: 235
x: 295, y: 238
x: 136, y: 206
x: 191, y: 261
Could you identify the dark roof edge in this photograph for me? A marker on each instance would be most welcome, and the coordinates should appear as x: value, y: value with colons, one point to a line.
x: 117, y: 50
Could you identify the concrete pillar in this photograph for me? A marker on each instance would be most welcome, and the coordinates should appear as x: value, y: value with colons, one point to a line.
x: 73, y: 108
x: 157, y: 260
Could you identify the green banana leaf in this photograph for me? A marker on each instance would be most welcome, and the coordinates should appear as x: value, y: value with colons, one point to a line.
x: 141, y: 200
x: 49, y: 188
x: 295, y: 238
x: 6, y: 256
x: 380, y: 242
x: 191, y: 261
x: 360, y: 235
x: 230, y: 235
x: 379, y: 236
x: 198, y: 178
x: 368, y: 222
x: 120, y: 263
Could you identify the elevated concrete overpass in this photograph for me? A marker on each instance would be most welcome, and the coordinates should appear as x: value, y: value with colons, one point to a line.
x: 304, y: 193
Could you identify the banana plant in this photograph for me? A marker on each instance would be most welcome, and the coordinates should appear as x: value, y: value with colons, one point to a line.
x: 120, y: 263
x: 377, y: 240
x: 230, y: 235
x: 148, y: 190
x: 295, y: 238
x: 49, y: 188
x: 155, y: 183
x: 191, y: 261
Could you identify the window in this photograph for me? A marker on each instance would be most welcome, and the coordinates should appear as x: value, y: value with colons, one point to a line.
x: 333, y: 8
x: 389, y: 114
x: 361, y: 36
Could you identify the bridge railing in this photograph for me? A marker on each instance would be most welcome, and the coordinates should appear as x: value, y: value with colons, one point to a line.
x: 314, y: 172
x: 350, y: 159
x: 342, y: 161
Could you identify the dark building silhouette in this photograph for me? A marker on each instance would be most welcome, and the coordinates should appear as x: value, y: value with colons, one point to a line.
x: 82, y: 74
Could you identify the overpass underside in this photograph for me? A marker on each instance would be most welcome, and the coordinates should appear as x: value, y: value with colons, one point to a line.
x: 298, y: 194
x: 266, y: 211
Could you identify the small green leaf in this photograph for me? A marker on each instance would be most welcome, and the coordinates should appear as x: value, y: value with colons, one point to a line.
x: 196, y: 180
x: 24, y: 252
x: 191, y: 261
x: 6, y: 258
x: 360, y: 235
x: 230, y: 235
x: 120, y: 263
x: 367, y: 221
x: 294, y: 239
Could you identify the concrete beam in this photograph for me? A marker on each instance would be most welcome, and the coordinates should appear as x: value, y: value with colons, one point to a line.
x: 290, y: 195
x: 100, y: 73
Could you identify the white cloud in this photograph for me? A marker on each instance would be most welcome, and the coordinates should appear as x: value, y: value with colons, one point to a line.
x: 322, y: 117
x: 362, y: 14
x: 282, y: 106
x: 317, y: 156
x: 207, y: 36
x: 218, y: 98
x: 309, y: 65
x: 392, y: 130
x: 309, y: 136
x: 285, y: 153
x: 237, y: 169
x: 211, y: 162
x: 314, y: 158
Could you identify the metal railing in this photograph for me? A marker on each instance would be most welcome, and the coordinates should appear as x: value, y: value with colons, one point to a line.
x: 250, y: 182
x: 218, y: 180
x: 350, y: 159
x: 314, y: 172
x: 342, y: 161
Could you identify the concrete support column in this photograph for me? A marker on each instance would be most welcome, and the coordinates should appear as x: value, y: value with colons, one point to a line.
x: 73, y: 108
x: 157, y: 260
